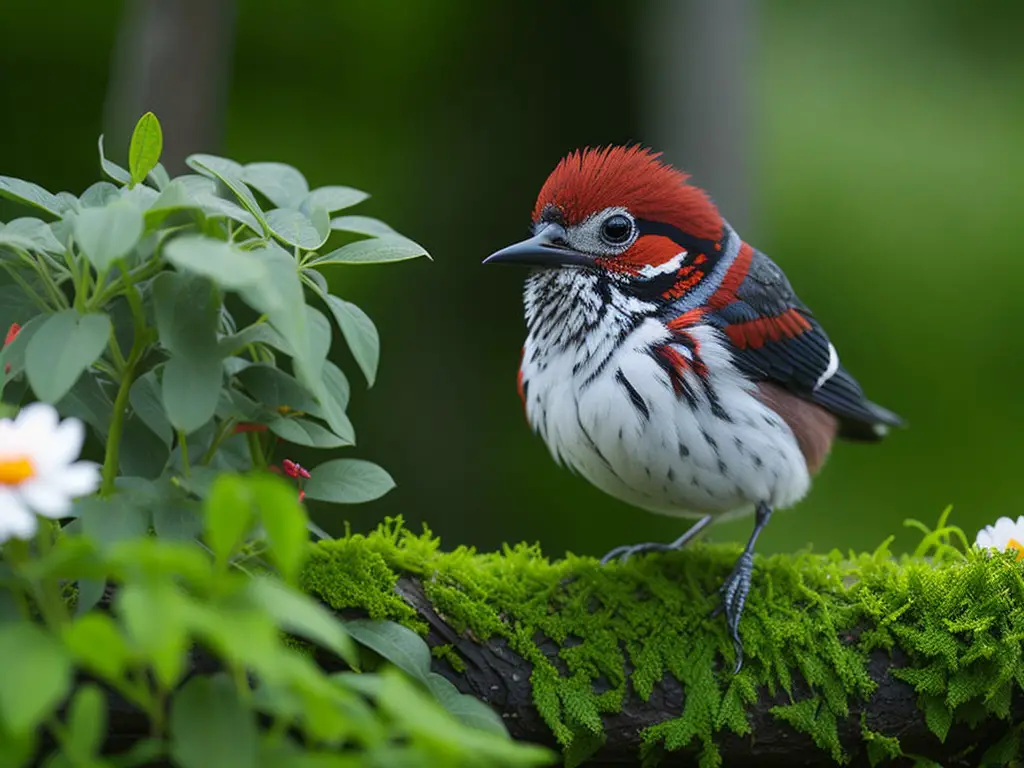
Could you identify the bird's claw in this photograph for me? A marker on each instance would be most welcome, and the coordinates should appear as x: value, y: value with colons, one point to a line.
x: 734, y: 596
x: 628, y: 550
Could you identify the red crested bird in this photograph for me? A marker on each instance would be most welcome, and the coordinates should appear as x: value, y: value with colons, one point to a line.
x: 669, y: 362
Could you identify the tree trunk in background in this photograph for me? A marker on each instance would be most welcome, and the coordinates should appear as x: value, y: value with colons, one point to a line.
x: 172, y: 57
x: 696, y: 103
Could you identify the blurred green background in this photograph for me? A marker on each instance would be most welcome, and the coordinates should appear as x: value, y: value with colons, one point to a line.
x: 874, y: 149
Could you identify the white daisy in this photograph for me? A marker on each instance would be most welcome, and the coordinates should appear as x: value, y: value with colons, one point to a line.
x: 38, y: 468
x: 1005, y: 534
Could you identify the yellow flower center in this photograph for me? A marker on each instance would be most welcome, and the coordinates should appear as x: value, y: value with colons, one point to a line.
x: 1014, y: 544
x: 17, y: 469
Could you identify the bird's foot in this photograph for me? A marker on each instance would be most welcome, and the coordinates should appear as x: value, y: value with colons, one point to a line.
x: 734, y: 596
x: 625, y: 552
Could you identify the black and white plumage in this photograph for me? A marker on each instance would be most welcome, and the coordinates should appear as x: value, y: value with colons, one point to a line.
x: 670, y: 363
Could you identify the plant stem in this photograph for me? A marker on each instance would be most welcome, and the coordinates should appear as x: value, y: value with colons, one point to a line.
x: 218, y: 437
x: 183, y: 442
x: 24, y: 285
x: 113, y: 453
x: 256, y: 451
x: 47, y: 590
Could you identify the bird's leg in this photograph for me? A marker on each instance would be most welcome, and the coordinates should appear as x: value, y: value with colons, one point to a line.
x: 627, y: 551
x: 734, y: 590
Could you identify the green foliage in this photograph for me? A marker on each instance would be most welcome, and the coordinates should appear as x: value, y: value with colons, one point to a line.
x: 175, y: 595
x: 175, y: 310
x: 810, y: 623
x: 170, y: 316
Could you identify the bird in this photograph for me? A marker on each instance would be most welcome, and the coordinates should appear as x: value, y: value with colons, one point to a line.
x: 669, y: 362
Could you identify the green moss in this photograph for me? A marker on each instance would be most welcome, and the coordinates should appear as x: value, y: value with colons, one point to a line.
x: 810, y: 618
x: 449, y: 654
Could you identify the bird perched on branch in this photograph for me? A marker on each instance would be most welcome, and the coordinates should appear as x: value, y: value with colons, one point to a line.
x: 669, y: 362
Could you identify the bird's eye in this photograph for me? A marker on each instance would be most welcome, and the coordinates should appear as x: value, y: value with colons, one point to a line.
x: 616, y: 229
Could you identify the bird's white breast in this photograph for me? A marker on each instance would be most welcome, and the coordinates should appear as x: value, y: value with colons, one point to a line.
x: 606, y: 408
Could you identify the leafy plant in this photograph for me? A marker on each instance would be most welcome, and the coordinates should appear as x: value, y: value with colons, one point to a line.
x: 173, y: 596
x: 170, y: 315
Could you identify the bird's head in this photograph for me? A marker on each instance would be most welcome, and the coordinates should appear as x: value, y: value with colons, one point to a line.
x: 622, y: 212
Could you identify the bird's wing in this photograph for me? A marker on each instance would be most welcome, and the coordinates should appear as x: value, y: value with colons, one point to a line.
x: 774, y: 337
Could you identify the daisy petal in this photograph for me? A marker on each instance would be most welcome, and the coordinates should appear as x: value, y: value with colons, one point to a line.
x: 984, y: 539
x: 79, y: 479
x: 16, y: 521
x: 45, y: 498
x: 65, y: 443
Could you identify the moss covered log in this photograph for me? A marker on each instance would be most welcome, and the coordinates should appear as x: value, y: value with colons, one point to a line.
x: 850, y: 659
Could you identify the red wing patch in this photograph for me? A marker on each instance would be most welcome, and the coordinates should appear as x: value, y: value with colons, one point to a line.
x: 726, y: 292
x: 756, y: 333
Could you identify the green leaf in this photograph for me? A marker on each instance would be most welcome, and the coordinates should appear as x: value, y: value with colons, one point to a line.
x: 360, y: 334
x: 147, y: 402
x: 336, y: 385
x: 281, y: 184
x: 363, y: 225
x: 159, y: 176
x: 37, y: 232
x: 98, y: 195
x: 399, y: 645
x: 214, y: 206
x: 229, y: 516
x: 468, y: 709
x: 30, y: 194
x: 90, y: 592
x: 191, y: 388
x: 109, y: 520
x: 305, y: 432
x: 13, y: 354
x: 87, y: 722
x: 374, y: 250
x: 187, y: 311
x: 299, y: 614
x: 142, y: 452
x: 178, y: 519
x: 109, y: 233
x: 211, y: 727
x: 145, y: 148
x: 64, y: 346
x: 348, y: 481
x: 295, y: 228
x: 113, y: 170
x: 335, y: 198
x: 230, y: 174
x: 174, y: 197
x: 96, y: 643
x: 155, y: 616
x: 89, y: 402
x: 284, y: 519
x: 35, y: 673
x: 226, y: 265
x: 274, y: 389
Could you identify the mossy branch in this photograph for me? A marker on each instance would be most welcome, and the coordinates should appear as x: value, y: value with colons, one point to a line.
x: 855, y: 659
x: 850, y: 659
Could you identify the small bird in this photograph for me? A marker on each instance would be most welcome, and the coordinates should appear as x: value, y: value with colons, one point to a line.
x: 669, y: 362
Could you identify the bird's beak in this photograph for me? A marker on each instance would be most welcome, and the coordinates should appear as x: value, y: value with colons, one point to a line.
x: 545, y: 249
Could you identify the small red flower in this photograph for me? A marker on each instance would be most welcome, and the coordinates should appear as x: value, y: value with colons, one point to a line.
x: 293, y: 469
x: 302, y: 495
x: 11, y: 333
x: 248, y: 426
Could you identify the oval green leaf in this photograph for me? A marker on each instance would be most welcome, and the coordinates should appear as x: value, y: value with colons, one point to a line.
x: 227, y: 266
x: 146, y: 145
x: 35, y: 672
x: 348, y: 481
x: 112, y: 169
x: 191, y: 389
x: 109, y: 233
x: 335, y: 198
x: 27, y: 193
x: 306, y: 432
x: 360, y: 334
x: 374, y: 250
x: 64, y: 346
x: 147, y: 401
x: 281, y: 184
x: 363, y: 225
x: 230, y: 174
x: 295, y: 228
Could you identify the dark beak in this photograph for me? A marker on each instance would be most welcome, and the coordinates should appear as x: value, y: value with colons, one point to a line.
x: 545, y: 249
